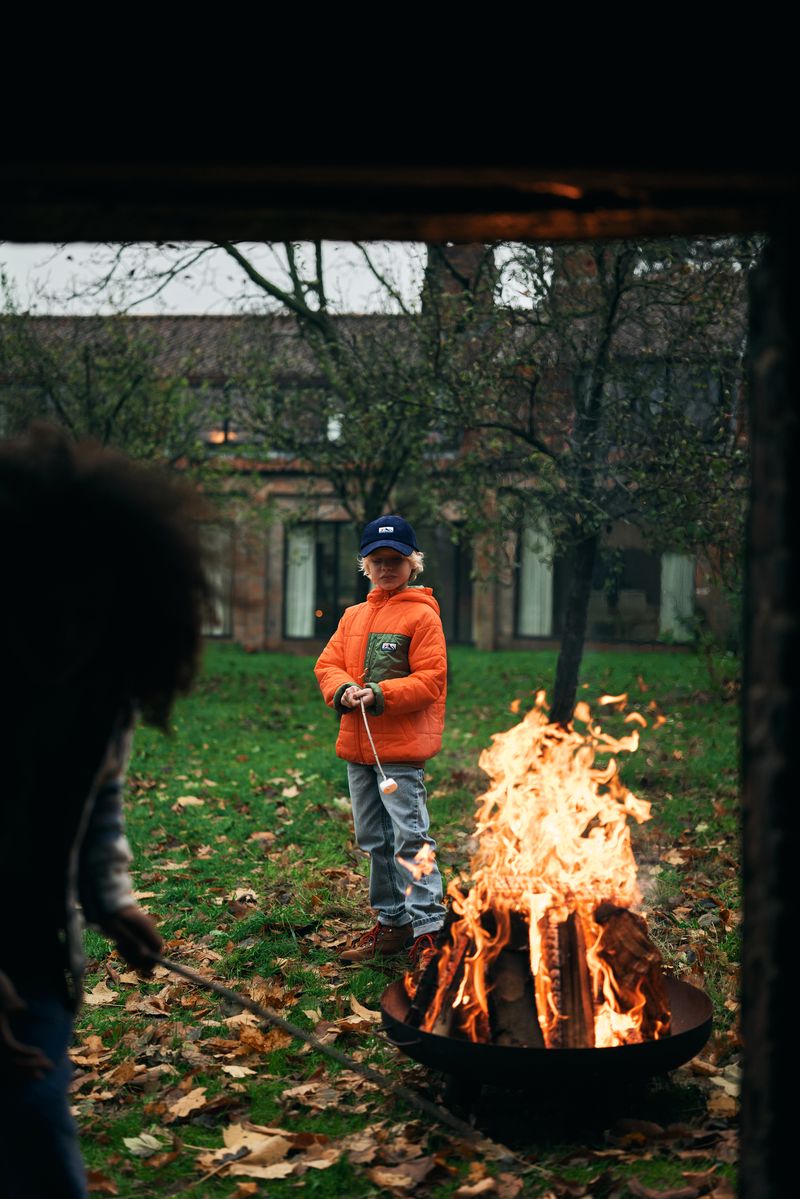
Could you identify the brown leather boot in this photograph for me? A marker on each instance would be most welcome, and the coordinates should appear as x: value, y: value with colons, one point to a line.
x: 381, y: 941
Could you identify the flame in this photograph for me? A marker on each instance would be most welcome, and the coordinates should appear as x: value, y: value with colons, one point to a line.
x: 422, y: 864
x: 553, y: 844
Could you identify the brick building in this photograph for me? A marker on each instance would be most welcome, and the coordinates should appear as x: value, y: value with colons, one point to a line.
x: 286, y: 548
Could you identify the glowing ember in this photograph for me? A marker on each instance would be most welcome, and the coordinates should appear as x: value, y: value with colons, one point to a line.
x: 555, y: 868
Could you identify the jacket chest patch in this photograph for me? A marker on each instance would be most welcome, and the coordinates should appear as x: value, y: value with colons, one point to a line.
x: 386, y: 656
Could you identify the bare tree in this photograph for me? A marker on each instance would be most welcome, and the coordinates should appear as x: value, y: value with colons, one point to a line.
x: 611, y: 391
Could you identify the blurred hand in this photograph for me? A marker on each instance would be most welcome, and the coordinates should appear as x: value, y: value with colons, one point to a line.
x: 135, y: 935
x: 354, y: 696
x: 17, y: 1059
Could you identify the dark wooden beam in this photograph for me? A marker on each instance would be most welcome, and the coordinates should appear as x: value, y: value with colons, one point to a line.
x: 201, y: 200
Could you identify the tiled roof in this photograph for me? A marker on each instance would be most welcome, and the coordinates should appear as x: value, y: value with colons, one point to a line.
x: 205, y: 347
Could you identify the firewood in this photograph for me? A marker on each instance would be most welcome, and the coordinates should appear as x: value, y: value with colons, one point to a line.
x: 513, y: 1018
x: 576, y: 1026
x: 441, y: 989
x: 426, y: 984
x: 564, y: 960
x: 636, y: 965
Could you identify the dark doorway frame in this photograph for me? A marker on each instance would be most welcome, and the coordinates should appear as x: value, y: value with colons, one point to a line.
x: 463, y: 201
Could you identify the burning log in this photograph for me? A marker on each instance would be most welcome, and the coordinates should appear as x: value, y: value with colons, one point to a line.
x: 634, y: 965
x: 569, y: 1010
x: 512, y: 998
x: 576, y: 1026
x: 432, y: 1008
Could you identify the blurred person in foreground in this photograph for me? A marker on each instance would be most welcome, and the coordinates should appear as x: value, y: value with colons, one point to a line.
x: 101, y: 606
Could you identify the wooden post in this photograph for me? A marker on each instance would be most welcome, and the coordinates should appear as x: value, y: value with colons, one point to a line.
x: 769, y: 734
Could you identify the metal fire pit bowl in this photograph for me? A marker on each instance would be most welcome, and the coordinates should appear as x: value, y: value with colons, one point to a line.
x: 525, y: 1068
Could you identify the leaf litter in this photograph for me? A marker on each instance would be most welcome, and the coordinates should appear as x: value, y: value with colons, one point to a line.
x: 159, y: 1046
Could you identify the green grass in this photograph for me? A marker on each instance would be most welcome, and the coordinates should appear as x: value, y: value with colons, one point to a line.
x: 255, y: 743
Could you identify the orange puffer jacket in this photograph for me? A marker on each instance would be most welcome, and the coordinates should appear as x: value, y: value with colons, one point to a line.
x: 393, y: 643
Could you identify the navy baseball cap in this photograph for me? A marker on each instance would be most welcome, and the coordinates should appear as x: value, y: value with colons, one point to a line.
x: 390, y: 531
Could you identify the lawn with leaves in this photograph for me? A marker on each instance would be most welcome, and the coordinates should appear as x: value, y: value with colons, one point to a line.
x: 244, y: 852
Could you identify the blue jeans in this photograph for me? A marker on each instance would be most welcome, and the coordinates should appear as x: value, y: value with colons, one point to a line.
x: 39, y: 1155
x: 392, y: 826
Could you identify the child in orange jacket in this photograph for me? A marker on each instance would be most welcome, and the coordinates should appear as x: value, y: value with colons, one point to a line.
x: 389, y: 654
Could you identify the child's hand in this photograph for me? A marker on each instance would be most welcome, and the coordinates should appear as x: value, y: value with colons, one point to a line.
x: 354, y: 696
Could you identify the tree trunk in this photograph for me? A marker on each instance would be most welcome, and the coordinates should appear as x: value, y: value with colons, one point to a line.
x: 574, y: 631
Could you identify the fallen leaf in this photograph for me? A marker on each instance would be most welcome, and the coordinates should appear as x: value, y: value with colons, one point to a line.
x: 403, y: 1177
x: 486, y: 1186
x: 130, y: 978
x: 699, y: 1065
x: 192, y: 1102
x: 706, y: 1178
x: 674, y: 858
x: 146, y: 1005
x: 91, y: 1052
x: 187, y: 801
x: 251, y: 1170
x: 508, y: 1186
x: 326, y: 1032
x: 723, y: 1105
x: 730, y: 1086
x: 242, y: 1018
x: 364, y: 1012
x: 261, y: 1042
x: 237, y: 1071
x: 100, y: 995
x: 647, y: 1128
x: 317, y: 1160
x: 124, y: 1072
x: 266, y: 1149
x: 265, y: 838
x: 317, y: 1095
x: 99, y: 1184
x: 644, y: 1192
x: 158, y: 1160
x: 145, y: 1145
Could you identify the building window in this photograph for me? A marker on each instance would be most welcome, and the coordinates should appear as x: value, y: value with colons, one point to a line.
x: 448, y: 571
x: 321, y: 578
x: 301, y: 581
x: 218, y: 544
x: 677, y: 597
x: 535, y: 584
x: 625, y: 599
x: 636, y: 595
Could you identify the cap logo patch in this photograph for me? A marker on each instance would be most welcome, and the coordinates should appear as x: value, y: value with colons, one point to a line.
x: 388, y: 646
x: 386, y: 529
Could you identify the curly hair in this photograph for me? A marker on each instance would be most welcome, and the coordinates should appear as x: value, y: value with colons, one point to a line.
x: 107, y: 584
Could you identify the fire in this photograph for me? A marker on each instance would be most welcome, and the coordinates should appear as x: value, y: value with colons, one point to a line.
x: 554, y: 864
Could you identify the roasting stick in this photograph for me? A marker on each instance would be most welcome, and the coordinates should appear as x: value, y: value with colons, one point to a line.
x: 409, y: 1097
x: 386, y: 785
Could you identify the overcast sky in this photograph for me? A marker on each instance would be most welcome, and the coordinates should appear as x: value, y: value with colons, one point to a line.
x: 44, y: 275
